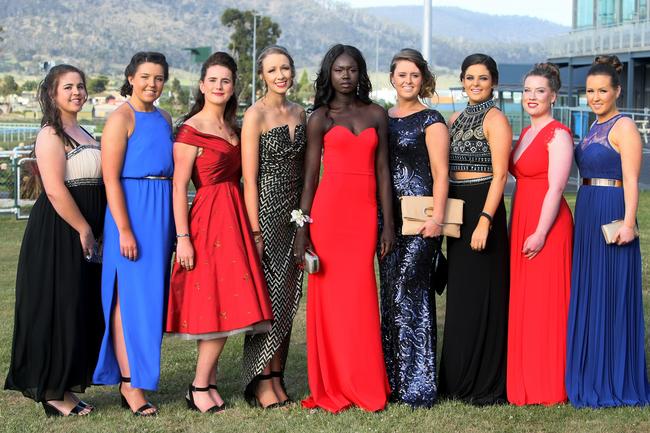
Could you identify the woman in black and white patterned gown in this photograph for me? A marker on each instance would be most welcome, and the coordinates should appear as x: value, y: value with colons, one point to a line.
x: 273, y: 147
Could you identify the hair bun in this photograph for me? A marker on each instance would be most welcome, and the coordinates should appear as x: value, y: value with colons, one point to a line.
x: 550, y: 68
x: 612, y: 61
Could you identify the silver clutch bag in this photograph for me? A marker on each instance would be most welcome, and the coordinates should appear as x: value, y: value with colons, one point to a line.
x: 609, y: 230
x: 312, y: 263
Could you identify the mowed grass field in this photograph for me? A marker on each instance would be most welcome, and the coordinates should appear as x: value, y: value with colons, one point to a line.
x: 18, y: 414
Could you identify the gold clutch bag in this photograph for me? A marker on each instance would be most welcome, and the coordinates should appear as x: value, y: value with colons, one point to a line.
x: 609, y: 230
x: 417, y: 209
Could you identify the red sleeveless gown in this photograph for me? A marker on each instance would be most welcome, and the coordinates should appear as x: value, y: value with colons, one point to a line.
x: 345, y: 361
x: 539, y: 288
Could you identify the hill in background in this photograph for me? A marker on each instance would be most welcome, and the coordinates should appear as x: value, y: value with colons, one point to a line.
x: 102, y: 35
x: 457, y: 23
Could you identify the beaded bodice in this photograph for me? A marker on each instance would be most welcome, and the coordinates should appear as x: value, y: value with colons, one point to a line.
x: 469, y: 149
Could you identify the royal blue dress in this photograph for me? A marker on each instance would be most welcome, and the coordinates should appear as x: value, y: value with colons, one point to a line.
x: 142, y: 284
x: 408, y: 307
x: 606, y: 363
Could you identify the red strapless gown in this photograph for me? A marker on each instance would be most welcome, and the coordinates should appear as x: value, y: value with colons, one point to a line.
x: 539, y: 288
x: 345, y: 361
x: 226, y: 290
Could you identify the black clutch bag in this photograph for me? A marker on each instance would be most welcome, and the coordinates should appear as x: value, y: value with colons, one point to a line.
x: 438, y: 278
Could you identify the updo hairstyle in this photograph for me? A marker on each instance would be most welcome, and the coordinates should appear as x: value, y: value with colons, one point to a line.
x: 550, y: 71
x: 274, y: 49
x: 480, y: 59
x: 138, y: 59
x: 607, y: 65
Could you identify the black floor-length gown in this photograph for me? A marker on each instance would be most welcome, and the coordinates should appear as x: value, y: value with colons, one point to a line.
x: 58, y: 316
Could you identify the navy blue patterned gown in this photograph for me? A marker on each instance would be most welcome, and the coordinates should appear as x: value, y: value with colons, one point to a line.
x: 408, y: 313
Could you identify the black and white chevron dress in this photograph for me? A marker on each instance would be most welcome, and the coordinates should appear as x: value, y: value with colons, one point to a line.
x: 280, y: 183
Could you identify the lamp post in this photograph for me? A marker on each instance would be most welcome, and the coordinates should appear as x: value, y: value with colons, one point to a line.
x: 253, y: 58
x: 426, y: 31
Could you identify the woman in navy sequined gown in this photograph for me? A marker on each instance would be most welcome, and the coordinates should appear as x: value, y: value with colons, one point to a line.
x: 418, y: 144
x: 606, y: 364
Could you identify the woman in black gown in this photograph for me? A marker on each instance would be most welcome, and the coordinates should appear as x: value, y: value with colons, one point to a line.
x: 58, y: 320
x: 473, y: 361
x: 418, y: 146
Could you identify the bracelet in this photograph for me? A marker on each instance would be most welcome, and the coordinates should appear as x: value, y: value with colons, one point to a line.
x: 183, y: 235
x: 437, y: 223
x: 486, y: 215
x: 300, y: 218
x: 257, y: 236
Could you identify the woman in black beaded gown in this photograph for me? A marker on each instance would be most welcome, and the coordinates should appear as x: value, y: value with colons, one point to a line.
x: 418, y: 143
x: 473, y: 360
x: 273, y: 149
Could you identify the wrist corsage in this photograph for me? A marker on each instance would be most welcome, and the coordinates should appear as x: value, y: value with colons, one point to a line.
x: 299, y: 218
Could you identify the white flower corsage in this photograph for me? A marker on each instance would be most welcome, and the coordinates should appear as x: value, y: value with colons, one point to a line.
x: 300, y: 218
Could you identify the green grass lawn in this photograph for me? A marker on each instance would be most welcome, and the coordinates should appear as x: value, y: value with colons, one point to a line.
x: 18, y: 414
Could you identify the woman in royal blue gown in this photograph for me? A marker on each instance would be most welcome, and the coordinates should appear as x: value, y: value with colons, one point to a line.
x: 138, y: 234
x: 606, y: 363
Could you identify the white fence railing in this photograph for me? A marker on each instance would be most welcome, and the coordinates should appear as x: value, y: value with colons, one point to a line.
x: 627, y: 37
x: 13, y: 166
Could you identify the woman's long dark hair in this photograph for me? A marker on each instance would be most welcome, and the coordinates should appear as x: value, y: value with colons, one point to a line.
x: 230, y: 114
x: 138, y: 59
x: 323, y: 84
x: 47, y: 99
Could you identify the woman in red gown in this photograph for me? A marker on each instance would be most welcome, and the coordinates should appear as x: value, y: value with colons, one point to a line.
x: 345, y: 361
x: 540, y: 248
x: 217, y: 285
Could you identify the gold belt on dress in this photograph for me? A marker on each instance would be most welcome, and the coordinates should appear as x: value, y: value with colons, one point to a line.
x: 596, y: 181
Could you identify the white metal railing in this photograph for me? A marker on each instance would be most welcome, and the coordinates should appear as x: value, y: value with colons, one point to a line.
x: 628, y: 37
x: 12, y: 167
x: 26, y: 132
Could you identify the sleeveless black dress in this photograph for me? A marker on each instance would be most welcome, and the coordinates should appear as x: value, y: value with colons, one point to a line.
x: 473, y: 361
x: 280, y: 182
x: 58, y: 317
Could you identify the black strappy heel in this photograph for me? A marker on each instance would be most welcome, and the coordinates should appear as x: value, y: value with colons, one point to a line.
x: 53, y: 411
x: 280, y: 374
x: 251, y: 398
x: 214, y: 386
x: 189, y: 399
x: 141, y: 409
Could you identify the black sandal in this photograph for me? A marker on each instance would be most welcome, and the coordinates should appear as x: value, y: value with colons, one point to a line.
x: 251, y: 398
x: 189, y: 399
x: 280, y: 374
x: 141, y: 409
x: 53, y: 411
x: 214, y: 386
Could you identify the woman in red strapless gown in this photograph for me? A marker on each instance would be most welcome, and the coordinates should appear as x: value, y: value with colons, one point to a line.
x: 217, y: 285
x: 345, y: 361
x: 540, y: 250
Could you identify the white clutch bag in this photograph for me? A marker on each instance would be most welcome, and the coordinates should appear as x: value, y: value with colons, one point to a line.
x: 312, y: 262
x: 609, y: 230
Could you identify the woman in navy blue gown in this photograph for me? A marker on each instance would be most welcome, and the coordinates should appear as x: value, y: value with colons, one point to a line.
x: 418, y: 142
x: 138, y: 234
x: 606, y: 363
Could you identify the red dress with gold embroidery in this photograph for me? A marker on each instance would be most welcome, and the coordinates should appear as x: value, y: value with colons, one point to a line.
x: 225, y: 293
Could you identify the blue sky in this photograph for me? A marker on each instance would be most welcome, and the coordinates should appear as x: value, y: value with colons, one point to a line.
x: 558, y: 11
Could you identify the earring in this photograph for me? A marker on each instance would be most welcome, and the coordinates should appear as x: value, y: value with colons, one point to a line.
x: 463, y: 93
x: 358, y: 87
